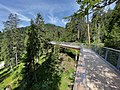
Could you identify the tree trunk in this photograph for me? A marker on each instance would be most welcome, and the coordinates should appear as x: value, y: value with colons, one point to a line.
x: 35, y: 77
x: 99, y: 34
x: 88, y: 27
x: 88, y: 36
x: 88, y: 31
x: 78, y: 34
x: 16, y: 58
x: 11, y: 66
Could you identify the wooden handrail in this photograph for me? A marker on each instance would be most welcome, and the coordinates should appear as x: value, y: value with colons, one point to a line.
x: 112, y: 49
x: 107, y: 50
x: 80, y: 76
x: 65, y: 45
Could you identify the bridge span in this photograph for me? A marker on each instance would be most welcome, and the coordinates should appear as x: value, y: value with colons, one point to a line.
x: 92, y: 71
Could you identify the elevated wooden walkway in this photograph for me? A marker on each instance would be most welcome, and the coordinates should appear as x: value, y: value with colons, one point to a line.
x: 65, y: 45
x: 99, y: 74
x: 92, y: 72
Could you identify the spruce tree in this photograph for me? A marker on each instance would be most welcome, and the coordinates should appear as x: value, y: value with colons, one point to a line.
x: 34, y: 48
x: 10, y: 41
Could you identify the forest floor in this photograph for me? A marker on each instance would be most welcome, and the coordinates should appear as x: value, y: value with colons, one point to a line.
x: 68, y: 64
x: 7, y: 77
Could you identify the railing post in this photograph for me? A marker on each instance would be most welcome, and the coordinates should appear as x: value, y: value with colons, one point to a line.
x: 81, y: 50
x: 99, y: 51
x: 96, y: 48
x: 118, y: 62
x: 106, y: 54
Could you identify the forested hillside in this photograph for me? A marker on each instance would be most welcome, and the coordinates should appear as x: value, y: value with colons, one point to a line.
x: 31, y: 63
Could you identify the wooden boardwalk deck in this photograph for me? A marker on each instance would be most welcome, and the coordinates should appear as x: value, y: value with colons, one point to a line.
x: 99, y: 74
x: 92, y: 72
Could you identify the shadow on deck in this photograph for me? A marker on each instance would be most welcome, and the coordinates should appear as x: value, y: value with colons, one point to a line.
x: 99, y: 75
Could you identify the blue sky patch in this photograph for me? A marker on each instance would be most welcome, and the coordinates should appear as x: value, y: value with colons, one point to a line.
x: 52, y: 11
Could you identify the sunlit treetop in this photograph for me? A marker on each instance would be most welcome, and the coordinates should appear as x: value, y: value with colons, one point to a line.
x: 91, y: 5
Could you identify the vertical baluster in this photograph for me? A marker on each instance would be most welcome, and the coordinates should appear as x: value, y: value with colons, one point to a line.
x: 106, y: 54
x: 118, y: 62
x: 99, y: 51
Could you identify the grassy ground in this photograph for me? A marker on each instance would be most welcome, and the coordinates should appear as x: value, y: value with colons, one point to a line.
x: 9, y: 77
x: 67, y: 65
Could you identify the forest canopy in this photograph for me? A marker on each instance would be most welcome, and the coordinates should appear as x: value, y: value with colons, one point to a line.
x: 31, y: 62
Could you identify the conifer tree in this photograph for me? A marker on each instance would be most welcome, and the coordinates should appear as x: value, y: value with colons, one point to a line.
x: 10, y: 41
x: 34, y: 47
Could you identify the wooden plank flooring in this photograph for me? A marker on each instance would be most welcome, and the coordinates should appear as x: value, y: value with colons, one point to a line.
x: 99, y: 74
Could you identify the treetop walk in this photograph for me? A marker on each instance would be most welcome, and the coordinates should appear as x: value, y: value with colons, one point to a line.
x: 92, y: 71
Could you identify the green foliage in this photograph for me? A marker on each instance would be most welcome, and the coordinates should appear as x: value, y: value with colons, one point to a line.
x: 90, y: 5
x: 1, y: 37
x: 54, y: 33
x: 113, y: 28
x: 102, y: 26
x: 76, y: 29
x: 11, y: 42
x: 36, y: 65
x: 34, y: 49
x: 10, y: 78
x: 49, y: 73
x: 105, y: 27
x: 114, y: 37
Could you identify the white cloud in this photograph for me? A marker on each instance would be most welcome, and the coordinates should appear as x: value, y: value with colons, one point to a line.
x: 22, y: 17
x: 46, y: 7
x: 21, y: 25
x: 64, y: 21
x: 53, y: 19
x: 52, y: 12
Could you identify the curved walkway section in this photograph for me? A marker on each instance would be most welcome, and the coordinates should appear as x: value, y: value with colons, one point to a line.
x: 100, y: 75
x: 66, y: 45
x: 92, y: 72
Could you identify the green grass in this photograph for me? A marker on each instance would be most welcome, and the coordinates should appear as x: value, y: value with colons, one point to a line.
x: 72, y: 51
x: 9, y: 77
x: 66, y: 80
x: 12, y: 78
x: 67, y: 75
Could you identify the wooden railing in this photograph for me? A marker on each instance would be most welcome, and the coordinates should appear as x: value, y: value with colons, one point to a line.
x: 110, y: 55
x: 66, y: 45
x: 80, y: 73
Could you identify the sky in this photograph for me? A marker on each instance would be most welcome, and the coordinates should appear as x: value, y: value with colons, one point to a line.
x: 52, y: 11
